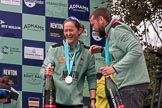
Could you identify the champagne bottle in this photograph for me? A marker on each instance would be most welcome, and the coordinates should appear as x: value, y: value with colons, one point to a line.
x: 49, y: 92
x: 112, y: 94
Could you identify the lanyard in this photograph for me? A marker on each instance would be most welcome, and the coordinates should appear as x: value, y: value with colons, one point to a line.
x: 69, y: 61
x: 107, y: 52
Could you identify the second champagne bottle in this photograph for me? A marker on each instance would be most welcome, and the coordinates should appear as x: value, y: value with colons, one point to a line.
x: 112, y: 93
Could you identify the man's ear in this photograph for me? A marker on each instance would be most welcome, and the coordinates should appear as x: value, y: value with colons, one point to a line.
x: 101, y: 19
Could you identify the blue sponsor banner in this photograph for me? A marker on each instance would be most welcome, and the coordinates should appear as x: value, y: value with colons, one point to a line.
x: 32, y: 100
x: 54, y: 29
x: 36, y: 7
x: 79, y: 9
x: 96, y: 40
x: 15, y: 74
x: 10, y: 24
x: 33, y: 52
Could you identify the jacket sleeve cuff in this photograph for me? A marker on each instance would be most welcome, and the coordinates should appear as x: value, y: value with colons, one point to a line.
x: 101, y: 50
x: 115, y: 69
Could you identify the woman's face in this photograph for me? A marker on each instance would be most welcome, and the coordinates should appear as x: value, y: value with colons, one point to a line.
x: 71, y: 32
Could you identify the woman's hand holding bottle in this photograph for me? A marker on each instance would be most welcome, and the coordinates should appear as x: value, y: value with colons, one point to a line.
x: 49, y: 70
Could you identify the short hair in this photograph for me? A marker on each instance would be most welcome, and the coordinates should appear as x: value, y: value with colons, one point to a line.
x: 82, y: 28
x: 101, y: 12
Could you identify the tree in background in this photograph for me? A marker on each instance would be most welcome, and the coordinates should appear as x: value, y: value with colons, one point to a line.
x: 140, y: 15
x: 145, y: 18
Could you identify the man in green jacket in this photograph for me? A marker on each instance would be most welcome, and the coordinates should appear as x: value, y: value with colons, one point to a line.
x: 127, y: 62
x: 9, y: 97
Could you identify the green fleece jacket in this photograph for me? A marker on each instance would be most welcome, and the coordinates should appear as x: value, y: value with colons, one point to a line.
x: 83, y: 67
x: 127, y: 56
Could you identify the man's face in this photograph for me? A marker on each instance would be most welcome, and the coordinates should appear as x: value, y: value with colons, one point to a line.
x: 97, y: 26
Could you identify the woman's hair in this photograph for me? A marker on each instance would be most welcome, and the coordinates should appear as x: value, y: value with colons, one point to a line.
x: 101, y: 12
x: 76, y: 23
x: 82, y: 28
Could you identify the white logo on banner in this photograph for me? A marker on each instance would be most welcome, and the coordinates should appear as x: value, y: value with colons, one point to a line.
x: 5, y: 26
x: 77, y: 7
x: 95, y: 36
x: 33, y: 53
x: 32, y: 3
x: 10, y: 72
x: 10, y: 2
x: 2, y: 22
x: 56, y: 25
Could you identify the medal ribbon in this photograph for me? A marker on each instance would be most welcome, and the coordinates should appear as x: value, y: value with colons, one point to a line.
x: 69, y: 62
x: 107, y: 52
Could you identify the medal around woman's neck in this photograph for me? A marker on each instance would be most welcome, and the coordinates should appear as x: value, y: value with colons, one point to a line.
x: 69, y: 63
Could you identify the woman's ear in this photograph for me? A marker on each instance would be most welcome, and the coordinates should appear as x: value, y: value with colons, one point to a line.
x: 80, y: 31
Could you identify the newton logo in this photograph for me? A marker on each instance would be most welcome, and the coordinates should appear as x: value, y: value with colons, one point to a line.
x: 56, y: 25
x: 10, y: 72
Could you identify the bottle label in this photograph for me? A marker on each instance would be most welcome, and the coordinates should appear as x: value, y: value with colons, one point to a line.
x: 49, y: 99
x: 49, y: 106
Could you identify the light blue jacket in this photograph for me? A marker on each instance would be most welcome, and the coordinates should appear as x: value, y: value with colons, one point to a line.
x: 83, y: 68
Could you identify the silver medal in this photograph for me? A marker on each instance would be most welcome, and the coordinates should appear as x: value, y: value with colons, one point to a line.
x: 68, y: 79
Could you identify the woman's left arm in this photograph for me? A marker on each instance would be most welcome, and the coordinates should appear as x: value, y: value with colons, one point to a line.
x: 92, y: 98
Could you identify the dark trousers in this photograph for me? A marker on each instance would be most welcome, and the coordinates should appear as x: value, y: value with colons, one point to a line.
x: 67, y: 106
x: 133, y: 96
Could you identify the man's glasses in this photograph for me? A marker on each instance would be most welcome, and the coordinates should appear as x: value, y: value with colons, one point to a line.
x: 72, y: 18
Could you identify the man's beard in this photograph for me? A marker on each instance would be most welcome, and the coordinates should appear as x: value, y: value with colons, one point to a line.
x: 102, y: 32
